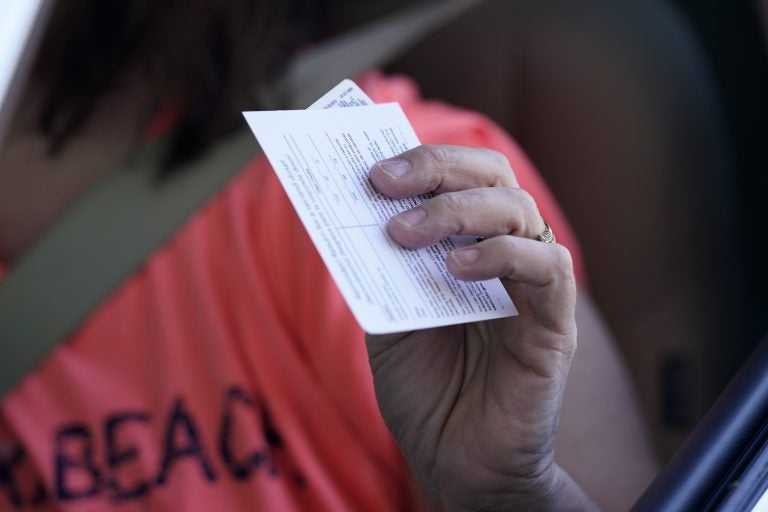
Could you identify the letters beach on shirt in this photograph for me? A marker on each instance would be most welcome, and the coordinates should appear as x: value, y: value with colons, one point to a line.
x: 322, y: 157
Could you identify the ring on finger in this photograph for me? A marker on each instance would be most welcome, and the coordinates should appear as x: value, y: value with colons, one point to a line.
x: 547, y: 236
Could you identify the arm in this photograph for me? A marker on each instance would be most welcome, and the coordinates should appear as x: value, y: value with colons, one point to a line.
x: 601, y: 426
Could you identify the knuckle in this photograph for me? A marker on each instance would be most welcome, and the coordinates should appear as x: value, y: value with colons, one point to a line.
x: 516, y: 211
x: 526, y: 200
x: 437, y: 156
x: 455, y: 202
x: 505, y: 176
x: 508, y: 246
x: 509, y: 195
x: 530, y: 211
x: 562, y: 262
x: 501, y: 158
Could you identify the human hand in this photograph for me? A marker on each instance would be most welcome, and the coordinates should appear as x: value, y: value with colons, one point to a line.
x: 474, y: 407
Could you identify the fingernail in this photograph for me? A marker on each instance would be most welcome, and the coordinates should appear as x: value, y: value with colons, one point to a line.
x: 411, y: 217
x: 466, y: 256
x: 395, y: 168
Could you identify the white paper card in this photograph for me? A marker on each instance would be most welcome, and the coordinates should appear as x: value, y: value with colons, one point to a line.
x: 322, y: 158
x: 345, y: 94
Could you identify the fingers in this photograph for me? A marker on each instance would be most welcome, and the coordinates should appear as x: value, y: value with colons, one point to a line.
x: 485, y: 212
x: 441, y: 169
x: 546, y: 267
x: 478, y: 194
x: 519, y: 259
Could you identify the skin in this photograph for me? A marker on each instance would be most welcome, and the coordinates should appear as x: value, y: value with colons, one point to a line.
x: 475, y: 407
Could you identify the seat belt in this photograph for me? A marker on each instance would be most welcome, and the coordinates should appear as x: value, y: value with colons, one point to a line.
x: 105, y: 237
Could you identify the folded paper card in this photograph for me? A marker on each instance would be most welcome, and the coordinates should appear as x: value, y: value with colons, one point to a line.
x: 322, y: 157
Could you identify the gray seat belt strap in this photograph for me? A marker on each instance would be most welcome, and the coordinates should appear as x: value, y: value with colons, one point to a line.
x: 103, y: 239
x: 351, y: 53
x: 109, y: 233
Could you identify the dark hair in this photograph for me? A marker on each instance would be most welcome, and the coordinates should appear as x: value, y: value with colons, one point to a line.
x: 208, y: 56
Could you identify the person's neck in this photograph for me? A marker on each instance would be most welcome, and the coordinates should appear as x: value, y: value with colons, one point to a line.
x: 36, y: 189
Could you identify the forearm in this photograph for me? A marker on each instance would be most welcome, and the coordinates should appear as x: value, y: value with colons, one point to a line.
x: 601, y: 425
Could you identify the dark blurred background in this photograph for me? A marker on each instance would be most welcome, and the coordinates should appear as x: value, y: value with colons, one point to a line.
x: 733, y: 35
x: 734, y: 39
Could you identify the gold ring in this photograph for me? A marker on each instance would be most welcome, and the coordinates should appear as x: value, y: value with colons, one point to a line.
x: 547, y: 236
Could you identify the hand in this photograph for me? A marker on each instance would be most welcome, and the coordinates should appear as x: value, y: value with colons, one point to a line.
x: 474, y: 407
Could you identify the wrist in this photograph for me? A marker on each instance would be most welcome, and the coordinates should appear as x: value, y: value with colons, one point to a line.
x: 566, y: 495
x: 555, y: 491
